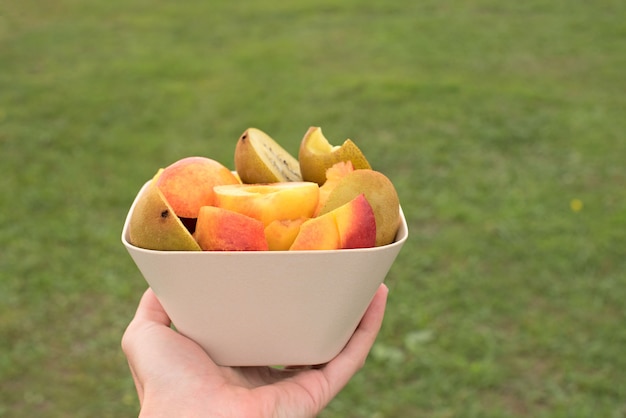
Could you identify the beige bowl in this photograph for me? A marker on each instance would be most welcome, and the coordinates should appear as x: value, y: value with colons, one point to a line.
x: 252, y: 308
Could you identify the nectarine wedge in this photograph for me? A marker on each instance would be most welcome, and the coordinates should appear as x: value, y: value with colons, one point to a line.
x: 281, y: 233
x: 220, y: 229
x: 188, y: 183
x: 268, y: 202
x: 333, y: 175
x: 351, y: 225
x: 380, y: 193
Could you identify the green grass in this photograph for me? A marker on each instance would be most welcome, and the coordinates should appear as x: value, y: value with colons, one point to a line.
x: 491, y: 119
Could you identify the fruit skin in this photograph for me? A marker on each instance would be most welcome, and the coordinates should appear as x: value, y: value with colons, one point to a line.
x: 280, y: 234
x: 260, y: 159
x: 351, y: 225
x: 379, y: 192
x: 154, y: 225
x: 316, y: 155
x: 187, y: 184
x: 268, y: 202
x: 220, y: 229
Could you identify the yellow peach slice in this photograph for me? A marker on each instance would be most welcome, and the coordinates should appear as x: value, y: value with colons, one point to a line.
x: 220, y: 229
x: 268, y: 202
x: 356, y: 224
x: 351, y: 225
x: 333, y: 175
x: 316, y: 155
x: 281, y: 233
x: 319, y: 233
x: 153, y: 225
x: 380, y: 193
x: 188, y: 183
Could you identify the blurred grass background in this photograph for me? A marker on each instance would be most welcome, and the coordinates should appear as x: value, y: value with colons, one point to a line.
x: 501, y: 124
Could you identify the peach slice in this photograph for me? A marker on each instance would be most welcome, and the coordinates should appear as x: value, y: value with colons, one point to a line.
x: 333, y: 175
x: 220, y: 229
x: 281, y: 233
x: 268, y: 202
x: 351, y: 225
x: 380, y: 193
x: 316, y: 155
x: 153, y: 225
x: 188, y: 183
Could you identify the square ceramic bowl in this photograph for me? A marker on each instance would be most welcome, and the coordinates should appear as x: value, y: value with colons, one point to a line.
x: 253, y: 308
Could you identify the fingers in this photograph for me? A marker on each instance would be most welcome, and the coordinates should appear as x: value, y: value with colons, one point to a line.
x: 150, y: 309
x: 148, y: 312
x: 323, y: 384
x: 149, y: 340
x: 341, y: 369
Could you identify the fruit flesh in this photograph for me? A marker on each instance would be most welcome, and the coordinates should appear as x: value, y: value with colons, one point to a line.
x: 333, y: 175
x: 280, y: 234
x: 260, y: 159
x: 317, y: 234
x: 269, y: 202
x: 351, y: 225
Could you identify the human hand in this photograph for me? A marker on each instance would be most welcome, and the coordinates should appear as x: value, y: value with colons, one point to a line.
x: 174, y: 376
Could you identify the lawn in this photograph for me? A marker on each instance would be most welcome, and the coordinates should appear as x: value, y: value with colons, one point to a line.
x: 501, y: 124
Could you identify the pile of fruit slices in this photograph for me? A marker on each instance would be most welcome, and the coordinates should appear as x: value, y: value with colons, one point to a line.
x: 328, y: 198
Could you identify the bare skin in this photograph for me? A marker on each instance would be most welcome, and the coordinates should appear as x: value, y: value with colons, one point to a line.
x: 175, y: 377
